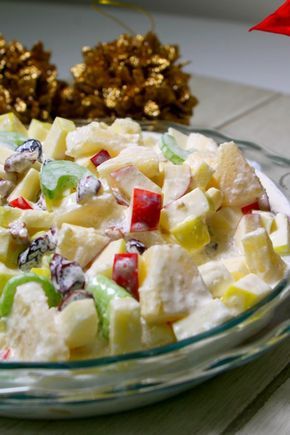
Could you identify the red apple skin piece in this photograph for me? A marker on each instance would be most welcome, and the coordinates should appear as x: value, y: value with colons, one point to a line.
x: 125, y: 272
x: 101, y: 157
x: 247, y: 209
x: 21, y: 203
x: 176, y: 182
x: 146, y: 207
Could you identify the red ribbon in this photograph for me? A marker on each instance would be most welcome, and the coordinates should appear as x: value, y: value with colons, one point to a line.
x: 277, y: 22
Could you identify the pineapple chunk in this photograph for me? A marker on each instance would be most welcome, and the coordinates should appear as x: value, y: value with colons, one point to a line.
x: 79, y: 243
x: 261, y: 258
x: 194, y: 204
x: 236, y: 266
x: 215, y: 198
x: 236, y: 178
x: 156, y: 335
x: 28, y: 187
x: 94, y: 137
x: 246, y: 292
x: 201, y: 319
x: 281, y: 236
x: 224, y: 222
x: 10, y: 122
x: 201, y: 174
x: 54, y: 145
x: 129, y: 177
x: 5, y: 275
x: 216, y: 277
x: 104, y: 262
x: 173, y: 285
x: 145, y: 159
x: 125, y: 326
x: 192, y: 234
x: 38, y: 129
x: 78, y: 323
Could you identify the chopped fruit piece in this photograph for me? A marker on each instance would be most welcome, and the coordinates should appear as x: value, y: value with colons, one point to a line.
x: 261, y: 258
x: 246, y: 292
x: 145, y: 210
x: 171, y: 150
x: 11, y: 139
x: 125, y: 272
x: 129, y: 177
x: 192, y: 234
x: 28, y: 187
x: 224, y: 222
x: 149, y: 238
x: 101, y: 157
x: 103, y: 264
x: 215, y: 198
x: 194, y: 204
x: 201, y: 174
x: 180, y: 137
x: 156, y: 335
x: 59, y: 175
x: 20, y: 203
x: 199, y: 142
x: 38, y: 129
x: 9, y: 290
x: 10, y: 122
x: 248, y: 223
x: 176, y: 183
x: 5, y: 275
x: 236, y: 266
x: 267, y: 219
x: 249, y: 208
x: 201, y: 319
x: 41, y: 271
x: 78, y: 323
x: 281, y: 236
x: 8, y: 214
x: 173, y: 285
x: 216, y: 277
x: 125, y: 326
x: 105, y: 291
x: 80, y: 244
x: 236, y: 178
x: 54, y: 145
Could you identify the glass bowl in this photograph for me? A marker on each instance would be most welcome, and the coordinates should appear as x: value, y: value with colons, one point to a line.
x: 115, y: 383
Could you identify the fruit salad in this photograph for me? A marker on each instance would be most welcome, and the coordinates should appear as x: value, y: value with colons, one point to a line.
x: 114, y: 240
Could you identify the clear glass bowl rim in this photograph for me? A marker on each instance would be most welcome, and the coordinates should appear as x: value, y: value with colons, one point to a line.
x: 161, y: 126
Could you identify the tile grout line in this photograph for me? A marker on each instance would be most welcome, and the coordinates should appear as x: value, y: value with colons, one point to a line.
x: 257, y: 106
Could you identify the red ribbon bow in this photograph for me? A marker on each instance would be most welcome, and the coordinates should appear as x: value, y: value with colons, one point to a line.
x: 277, y: 22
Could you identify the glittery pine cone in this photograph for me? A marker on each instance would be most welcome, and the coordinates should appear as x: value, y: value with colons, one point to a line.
x: 28, y: 82
x: 133, y: 76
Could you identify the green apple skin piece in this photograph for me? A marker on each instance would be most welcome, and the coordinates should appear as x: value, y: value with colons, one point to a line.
x: 125, y: 326
x: 9, y: 290
x: 202, y: 318
x: 10, y: 122
x: 281, y: 236
x: 104, y: 291
x: 58, y: 175
x: 103, y: 264
x: 54, y: 145
x: 11, y: 140
x: 38, y: 129
x: 6, y: 274
x: 28, y: 187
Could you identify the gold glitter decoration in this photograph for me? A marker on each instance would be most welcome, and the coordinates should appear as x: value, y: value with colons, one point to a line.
x: 133, y: 76
x: 28, y: 82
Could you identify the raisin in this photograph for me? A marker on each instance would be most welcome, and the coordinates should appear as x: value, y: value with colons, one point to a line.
x: 88, y: 187
x: 31, y: 146
x: 32, y: 256
x: 66, y: 275
x: 74, y: 295
x: 135, y: 246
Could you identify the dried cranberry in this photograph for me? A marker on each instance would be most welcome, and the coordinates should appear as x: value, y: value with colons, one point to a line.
x: 135, y: 246
x: 88, y: 187
x: 31, y: 146
x: 66, y: 275
x: 74, y: 295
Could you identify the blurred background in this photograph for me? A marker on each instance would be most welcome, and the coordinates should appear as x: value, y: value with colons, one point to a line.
x: 213, y: 35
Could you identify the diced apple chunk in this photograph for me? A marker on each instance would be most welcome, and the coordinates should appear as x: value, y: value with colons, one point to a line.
x: 216, y: 277
x: 104, y: 262
x: 236, y: 178
x: 281, y: 236
x: 192, y: 234
x: 173, y: 285
x: 215, y: 198
x: 38, y: 129
x: 79, y: 243
x: 129, y: 177
x: 248, y: 223
x: 201, y: 319
x: 78, y: 323
x: 261, y: 258
x: 245, y: 293
x: 5, y: 275
x: 54, y: 145
x: 193, y: 204
x: 236, y: 266
x: 125, y: 326
x: 28, y: 188
x: 201, y: 174
x: 224, y: 222
x: 267, y: 219
x: 176, y: 181
x: 10, y: 122
x: 36, y: 220
x: 156, y: 335
x: 5, y: 152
